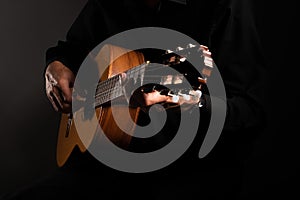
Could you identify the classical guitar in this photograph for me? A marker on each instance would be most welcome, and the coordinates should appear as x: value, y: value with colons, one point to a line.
x: 133, y: 64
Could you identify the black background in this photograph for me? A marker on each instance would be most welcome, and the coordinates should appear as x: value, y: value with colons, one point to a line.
x: 29, y: 125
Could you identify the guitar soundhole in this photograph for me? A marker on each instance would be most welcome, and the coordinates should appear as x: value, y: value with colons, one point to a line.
x: 70, y: 117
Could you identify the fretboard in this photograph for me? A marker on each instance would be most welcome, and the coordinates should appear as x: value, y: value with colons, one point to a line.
x: 111, y: 88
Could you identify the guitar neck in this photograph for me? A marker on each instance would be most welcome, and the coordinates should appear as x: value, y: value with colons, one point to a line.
x: 147, y: 73
x: 112, y: 88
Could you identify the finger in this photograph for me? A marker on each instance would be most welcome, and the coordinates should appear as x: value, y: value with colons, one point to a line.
x: 123, y: 77
x: 50, y: 97
x: 66, y: 91
x: 57, y: 97
x: 53, y: 96
x: 154, y: 97
x: 67, y: 108
x: 63, y: 105
x: 53, y: 103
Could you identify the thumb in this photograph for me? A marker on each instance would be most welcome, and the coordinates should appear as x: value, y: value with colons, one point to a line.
x: 66, y: 91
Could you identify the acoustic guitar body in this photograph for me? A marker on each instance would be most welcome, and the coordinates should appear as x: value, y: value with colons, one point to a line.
x: 118, y: 60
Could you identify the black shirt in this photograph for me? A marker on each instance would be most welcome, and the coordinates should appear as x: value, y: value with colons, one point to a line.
x: 227, y: 27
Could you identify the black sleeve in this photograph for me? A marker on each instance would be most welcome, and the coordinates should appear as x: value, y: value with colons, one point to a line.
x: 238, y: 55
x: 87, y: 30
